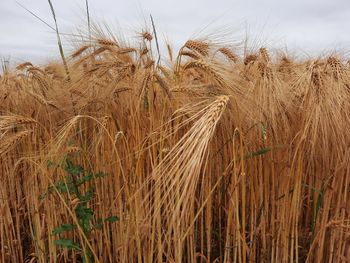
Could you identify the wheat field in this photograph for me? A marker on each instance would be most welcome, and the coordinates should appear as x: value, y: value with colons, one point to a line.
x: 211, y: 154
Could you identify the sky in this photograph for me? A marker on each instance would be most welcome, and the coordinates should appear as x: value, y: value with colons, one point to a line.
x: 308, y: 27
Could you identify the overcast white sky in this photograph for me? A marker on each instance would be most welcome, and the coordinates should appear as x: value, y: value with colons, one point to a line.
x: 311, y: 26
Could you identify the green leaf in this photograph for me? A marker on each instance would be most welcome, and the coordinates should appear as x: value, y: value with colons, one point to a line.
x: 62, y: 186
x: 88, y: 195
x: 257, y: 153
x: 67, y: 243
x: 73, y: 169
x: 263, y: 132
x: 111, y: 219
x: 63, y: 228
x: 85, y: 215
x: 99, y: 224
x: 50, y: 164
x: 100, y: 175
x: 84, y: 212
x: 84, y: 179
x: 43, y: 196
x: 100, y: 221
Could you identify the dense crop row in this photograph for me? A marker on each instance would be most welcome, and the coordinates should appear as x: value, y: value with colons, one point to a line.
x: 209, y: 156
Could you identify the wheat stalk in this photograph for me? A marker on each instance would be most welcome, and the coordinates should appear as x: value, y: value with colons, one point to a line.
x: 199, y: 46
x: 207, y: 67
x: 229, y: 54
x: 147, y: 36
x: 181, y: 167
x: 24, y: 65
x: 8, y: 143
x: 80, y: 50
x: 163, y: 84
x: 106, y: 43
x: 10, y: 121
